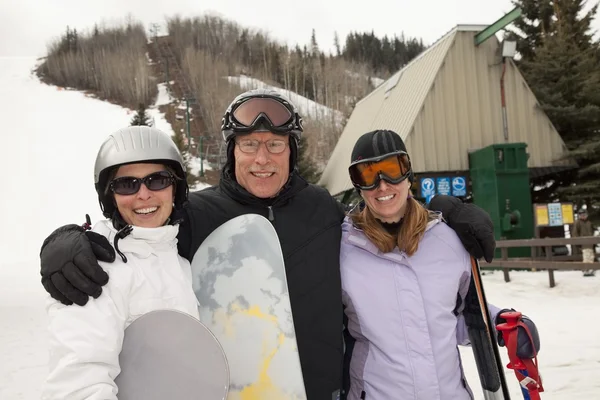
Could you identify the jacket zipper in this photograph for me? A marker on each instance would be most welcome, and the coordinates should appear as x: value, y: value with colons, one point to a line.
x: 271, y: 216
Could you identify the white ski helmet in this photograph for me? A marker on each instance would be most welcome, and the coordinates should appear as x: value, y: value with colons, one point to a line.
x: 132, y: 145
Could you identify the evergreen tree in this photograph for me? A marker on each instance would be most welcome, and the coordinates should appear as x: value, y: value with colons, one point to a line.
x: 68, y: 42
x: 383, y: 55
x: 560, y: 62
x: 306, y: 167
x: 140, y: 117
x: 314, y: 46
x: 535, y: 23
x: 336, y: 44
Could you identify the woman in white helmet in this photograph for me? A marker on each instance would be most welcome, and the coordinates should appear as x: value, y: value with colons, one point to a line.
x: 141, y: 183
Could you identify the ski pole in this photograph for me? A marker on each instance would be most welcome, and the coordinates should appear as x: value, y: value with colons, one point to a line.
x: 526, y: 370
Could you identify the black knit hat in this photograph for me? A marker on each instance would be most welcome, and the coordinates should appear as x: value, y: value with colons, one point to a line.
x: 377, y: 143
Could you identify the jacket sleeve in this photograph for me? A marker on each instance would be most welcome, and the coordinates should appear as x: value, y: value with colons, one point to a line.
x: 462, y: 334
x: 85, y: 343
x: 575, y: 232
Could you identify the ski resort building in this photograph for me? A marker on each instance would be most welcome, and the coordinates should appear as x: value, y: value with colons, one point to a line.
x: 471, y: 124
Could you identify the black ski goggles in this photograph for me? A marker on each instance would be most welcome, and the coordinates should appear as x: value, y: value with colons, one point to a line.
x: 392, y: 168
x: 128, y: 185
x: 269, y: 113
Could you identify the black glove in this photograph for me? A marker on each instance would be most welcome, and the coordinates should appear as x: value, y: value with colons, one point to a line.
x: 69, y: 264
x: 471, y: 223
x: 525, y: 347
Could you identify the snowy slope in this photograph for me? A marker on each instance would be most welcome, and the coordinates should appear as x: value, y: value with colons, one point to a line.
x: 49, y: 142
x: 50, y: 138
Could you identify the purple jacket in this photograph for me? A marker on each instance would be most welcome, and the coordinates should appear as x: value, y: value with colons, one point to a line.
x: 400, y: 314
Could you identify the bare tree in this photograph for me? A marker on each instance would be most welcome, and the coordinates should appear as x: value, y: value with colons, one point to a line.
x: 110, y: 61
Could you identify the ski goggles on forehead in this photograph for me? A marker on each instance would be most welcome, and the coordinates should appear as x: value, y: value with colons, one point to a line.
x: 273, y: 114
x: 128, y: 185
x: 392, y: 168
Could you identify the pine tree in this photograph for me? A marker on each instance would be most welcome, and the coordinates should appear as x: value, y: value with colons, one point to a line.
x: 314, y: 46
x: 536, y: 22
x: 336, y: 44
x: 306, y: 167
x: 140, y: 117
x: 560, y: 62
x: 562, y: 77
x: 384, y: 55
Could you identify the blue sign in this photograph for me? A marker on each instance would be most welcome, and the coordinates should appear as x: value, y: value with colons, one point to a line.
x: 555, y: 214
x: 459, y: 186
x: 427, y: 189
x: 443, y: 186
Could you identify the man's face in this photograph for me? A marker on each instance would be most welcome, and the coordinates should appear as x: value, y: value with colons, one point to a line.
x: 262, y: 174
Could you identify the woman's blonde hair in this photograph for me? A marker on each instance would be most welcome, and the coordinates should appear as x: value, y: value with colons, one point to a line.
x: 411, y: 231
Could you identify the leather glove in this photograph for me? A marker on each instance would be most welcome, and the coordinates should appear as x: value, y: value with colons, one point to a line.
x: 526, y: 347
x: 69, y: 264
x: 471, y: 223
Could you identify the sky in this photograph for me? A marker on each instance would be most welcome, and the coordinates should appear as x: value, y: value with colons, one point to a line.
x: 30, y: 24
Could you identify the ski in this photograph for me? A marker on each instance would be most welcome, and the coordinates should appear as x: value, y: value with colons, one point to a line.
x: 482, y: 334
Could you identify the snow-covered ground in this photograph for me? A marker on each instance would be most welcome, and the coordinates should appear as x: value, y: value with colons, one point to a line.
x: 164, y: 98
x: 567, y: 319
x: 50, y: 138
x: 49, y: 143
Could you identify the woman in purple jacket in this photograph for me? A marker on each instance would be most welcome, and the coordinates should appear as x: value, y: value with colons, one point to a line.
x: 404, y: 275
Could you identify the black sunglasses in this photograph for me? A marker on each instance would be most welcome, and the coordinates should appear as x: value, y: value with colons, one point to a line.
x: 128, y: 185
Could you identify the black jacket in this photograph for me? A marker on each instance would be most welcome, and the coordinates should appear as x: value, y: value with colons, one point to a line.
x: 308, y: 222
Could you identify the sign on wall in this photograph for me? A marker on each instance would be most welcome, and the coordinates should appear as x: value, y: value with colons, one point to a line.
x: 459, y: 186
x: 555, y: 217
x: 446, y: 185
x: 427, y: 189
x: 541, y: 214
x: 553, y: 214
x: 443, y: 186
x: 567, y: 213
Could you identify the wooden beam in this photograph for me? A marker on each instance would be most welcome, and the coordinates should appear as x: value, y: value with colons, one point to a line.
x: 541, y: 264
x: 547, y: 242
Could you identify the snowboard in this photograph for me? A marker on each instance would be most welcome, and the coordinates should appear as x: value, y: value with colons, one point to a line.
x: 239, y: 279
x: 170, y: 355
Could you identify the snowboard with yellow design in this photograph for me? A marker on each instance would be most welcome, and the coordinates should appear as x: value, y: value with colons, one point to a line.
x: 240, y: 282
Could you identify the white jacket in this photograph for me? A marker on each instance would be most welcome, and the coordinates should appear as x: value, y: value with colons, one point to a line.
x: 85, y: 342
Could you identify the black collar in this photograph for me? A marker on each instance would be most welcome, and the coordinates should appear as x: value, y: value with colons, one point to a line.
x: 234, y: 190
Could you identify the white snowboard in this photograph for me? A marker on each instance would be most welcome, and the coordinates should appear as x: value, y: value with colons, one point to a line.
x: 239, y: 279
x: 171, y: 355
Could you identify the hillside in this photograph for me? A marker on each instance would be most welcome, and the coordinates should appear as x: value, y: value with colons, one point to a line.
x: 208, y: 61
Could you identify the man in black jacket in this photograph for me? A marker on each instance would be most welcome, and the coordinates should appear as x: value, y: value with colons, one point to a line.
x: 262, y: 130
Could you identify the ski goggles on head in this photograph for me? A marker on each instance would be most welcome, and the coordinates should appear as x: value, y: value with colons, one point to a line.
x: 128, y: 185
x: 253, y: 113
x: 392, y: 168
